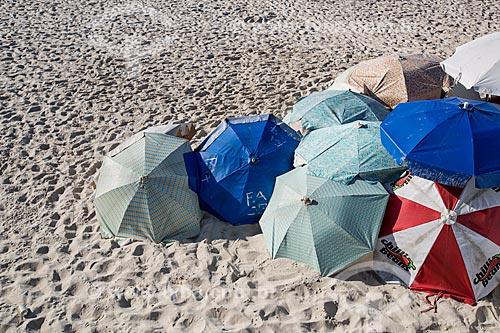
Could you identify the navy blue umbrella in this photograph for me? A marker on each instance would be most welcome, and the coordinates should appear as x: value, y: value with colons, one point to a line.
x: 234, y: 169
x: 448, y: 141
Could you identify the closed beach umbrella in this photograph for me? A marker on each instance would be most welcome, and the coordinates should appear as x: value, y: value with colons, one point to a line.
x: 476, y: 64
x: 335, y: 107
x: 447, y: 141
x: 347, y: 151
x: 143, y: 191
x: 396, y: 79
x: 322, y: 223
x: 234, y: 169
x: 442, y: 240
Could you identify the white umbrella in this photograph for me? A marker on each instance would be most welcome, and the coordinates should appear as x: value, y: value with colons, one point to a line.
x: 477, y: 64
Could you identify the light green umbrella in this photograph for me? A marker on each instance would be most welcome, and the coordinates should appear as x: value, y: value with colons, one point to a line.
x: 347, y: 151
x: 143, y: 191
x: 322, y: 223
x: 335, y: 107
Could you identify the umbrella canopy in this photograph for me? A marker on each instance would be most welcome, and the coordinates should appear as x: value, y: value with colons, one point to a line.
x: 235, y: 168
x: 183, y: 130
x: 442, y: 239
x: 477, y: 64
x: 447, y: 141
x: 341, y: 82
x: 335, y: 107
x: 322, y: 223
x: 348, y: 151
x: 396, y: 79
x: 143, y: 191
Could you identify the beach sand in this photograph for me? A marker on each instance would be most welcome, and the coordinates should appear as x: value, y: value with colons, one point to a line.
x: 78, y: 77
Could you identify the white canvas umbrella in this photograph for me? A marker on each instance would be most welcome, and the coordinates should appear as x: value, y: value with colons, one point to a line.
x: 477, y: 64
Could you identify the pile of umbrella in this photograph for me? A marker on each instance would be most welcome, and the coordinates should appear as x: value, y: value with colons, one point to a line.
x: 380, y: 165
x: 441, y: 227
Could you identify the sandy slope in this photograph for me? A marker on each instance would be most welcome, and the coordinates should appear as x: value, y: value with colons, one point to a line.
x: 79, y: 76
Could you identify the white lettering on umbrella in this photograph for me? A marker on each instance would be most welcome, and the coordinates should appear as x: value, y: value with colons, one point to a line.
x: 249, y: 197
x: 211, y: 163
x: 261, y: 195
x: 206, y: 177
x: 257, y: 208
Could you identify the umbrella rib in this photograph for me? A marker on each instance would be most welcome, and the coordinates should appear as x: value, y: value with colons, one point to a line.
x: 101, y: 198
x: 425, y: 136
x: 155, y: 189
x: 316, y: 104
x: 232, y: 172
x: 247, y: 151
x: 125, y: 213
x: 116, y: 188
x: 327, y: 148
x: 167, y: 158
x: 340, y: 227
x: 346, y: 233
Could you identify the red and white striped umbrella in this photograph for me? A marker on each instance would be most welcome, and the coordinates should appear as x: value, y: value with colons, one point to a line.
x: 441, y: 239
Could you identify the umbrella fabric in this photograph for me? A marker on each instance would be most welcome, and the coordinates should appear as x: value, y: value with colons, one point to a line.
x: 335, y: 107
x: 347, y: 151
x: 396, y: 79
x: 183, y: 130
x: 442, y: 239
x: 341, y: 82
x: 477, y: 64
x: 322, y: 223
x: 447, y: 141
x: 235, y: 168
x: 143, y: 191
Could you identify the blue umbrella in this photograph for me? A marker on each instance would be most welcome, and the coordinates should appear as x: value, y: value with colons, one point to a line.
x: 448, y: 141
x: 234, y: 169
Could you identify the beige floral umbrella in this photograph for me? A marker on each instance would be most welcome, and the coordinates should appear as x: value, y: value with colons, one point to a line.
x: 396, y: 79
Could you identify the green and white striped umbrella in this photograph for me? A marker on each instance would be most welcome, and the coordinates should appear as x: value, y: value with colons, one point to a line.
x: 322, y: 223
x: 143, y: 191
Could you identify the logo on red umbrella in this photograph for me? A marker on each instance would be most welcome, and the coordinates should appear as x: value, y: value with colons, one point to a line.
x: 397, y: 255
x: 488, y: 270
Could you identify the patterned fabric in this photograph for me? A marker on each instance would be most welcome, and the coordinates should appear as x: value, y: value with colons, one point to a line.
x: 396, y: 79
x: 339, y: 226
x: 335, y: 107
x: 345, y: 152
x: 423, y: 76
x: 143, y: 192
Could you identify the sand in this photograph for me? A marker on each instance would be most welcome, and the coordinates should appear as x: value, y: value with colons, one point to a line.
x: 78, y: 77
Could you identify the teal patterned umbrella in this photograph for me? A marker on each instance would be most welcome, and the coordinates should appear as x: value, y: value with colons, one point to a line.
x: 335, y: 107
x: 347, y: 151
x: 322, y: 223
x: 143, y: 191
